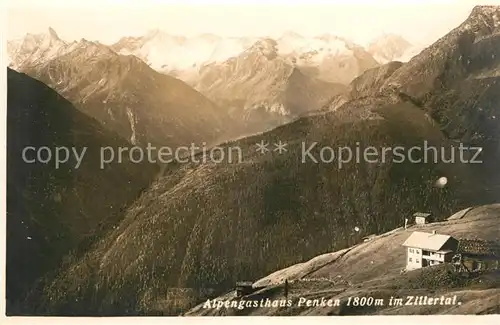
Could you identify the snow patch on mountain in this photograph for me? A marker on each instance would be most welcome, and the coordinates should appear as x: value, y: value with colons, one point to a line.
x: 132, y: 121
x: 321, y: 46
x: 184, y: 57
x: 273, y: 108
x: 165, y: 52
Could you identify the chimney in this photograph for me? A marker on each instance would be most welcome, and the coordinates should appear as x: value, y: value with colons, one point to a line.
x: 433, y: 232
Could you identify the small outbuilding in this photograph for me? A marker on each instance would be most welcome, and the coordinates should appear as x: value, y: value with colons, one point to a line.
x: 422, y: 218
x: 244, y: 288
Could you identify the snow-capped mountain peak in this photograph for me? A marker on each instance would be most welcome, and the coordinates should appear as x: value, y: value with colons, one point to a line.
x: 34, y: 41
x: 327, y: 57
x: 35, y: 48
x: 392, y: 47
x: 293, y: 43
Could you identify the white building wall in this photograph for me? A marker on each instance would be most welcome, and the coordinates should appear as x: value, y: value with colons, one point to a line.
x: 413, y: 258
x: 420, y: 220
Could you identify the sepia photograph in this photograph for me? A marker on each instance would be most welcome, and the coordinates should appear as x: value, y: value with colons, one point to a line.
x: 239, y: 158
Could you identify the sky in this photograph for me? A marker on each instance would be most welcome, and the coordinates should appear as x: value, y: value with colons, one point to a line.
x: 107, y: 21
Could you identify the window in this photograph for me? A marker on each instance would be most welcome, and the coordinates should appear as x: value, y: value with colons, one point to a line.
x: 418, y: 261
x: 409, y: 259
x: 411, y: 250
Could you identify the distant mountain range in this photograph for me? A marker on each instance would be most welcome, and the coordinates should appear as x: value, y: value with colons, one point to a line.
x: 257, y: 83
x: 328, y: 57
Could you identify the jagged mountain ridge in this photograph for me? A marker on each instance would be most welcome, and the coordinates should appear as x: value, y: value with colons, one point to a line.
x: 36, y: 48
x: 259, y: 77
x: 57, y: 212
x: 261, y: 89
x: 255, y: 91
x: 460, y: 70
x: 130, y: 98
x: 298, y: 60
x: 327, y: 57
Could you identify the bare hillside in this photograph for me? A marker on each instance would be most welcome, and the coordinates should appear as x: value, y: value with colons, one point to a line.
x: 373, y: 269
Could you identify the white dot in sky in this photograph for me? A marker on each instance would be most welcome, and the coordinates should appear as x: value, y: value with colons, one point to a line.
x: 441, y: 182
